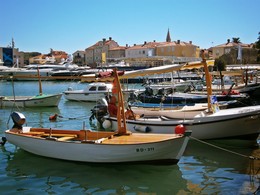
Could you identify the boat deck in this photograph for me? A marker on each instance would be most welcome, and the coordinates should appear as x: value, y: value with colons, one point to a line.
x: 87, y: 136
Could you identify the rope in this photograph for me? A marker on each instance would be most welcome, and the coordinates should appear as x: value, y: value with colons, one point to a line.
x: 212, y: 145
x: 252, y: 172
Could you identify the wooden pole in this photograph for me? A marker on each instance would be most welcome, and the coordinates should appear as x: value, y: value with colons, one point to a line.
x: 121, y: 123
x: 40, y: 82
x: 208, y: 80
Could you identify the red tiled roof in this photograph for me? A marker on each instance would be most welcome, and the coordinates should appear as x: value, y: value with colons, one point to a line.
x: 233, y: 44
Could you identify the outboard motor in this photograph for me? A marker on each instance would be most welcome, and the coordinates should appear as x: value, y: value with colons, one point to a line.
x: 18, y: 119
x: 99, y: 111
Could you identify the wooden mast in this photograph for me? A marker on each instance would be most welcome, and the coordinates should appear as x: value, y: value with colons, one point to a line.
x: 208, y: 80
x: 121, y: 123
x: 39, y: 80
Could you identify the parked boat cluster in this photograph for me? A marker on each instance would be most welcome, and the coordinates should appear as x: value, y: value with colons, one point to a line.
x: 152, y: 124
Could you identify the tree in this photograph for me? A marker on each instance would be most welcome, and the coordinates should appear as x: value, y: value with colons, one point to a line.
x: 220, y: 65
x: 236, y: 40
x: 257, y: 44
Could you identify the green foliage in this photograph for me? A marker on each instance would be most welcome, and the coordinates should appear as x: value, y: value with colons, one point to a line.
x: 236, y: 40
x: 219, y: 64
x: 257, y: 45
x: 258, y: 42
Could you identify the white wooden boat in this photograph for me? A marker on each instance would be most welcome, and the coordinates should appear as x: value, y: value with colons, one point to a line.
x: 92, y: 92
x: 242, y: 123
x: 42, y: 100
x: 177, y: 112
x: 185, y: 112
x: 98, y: 147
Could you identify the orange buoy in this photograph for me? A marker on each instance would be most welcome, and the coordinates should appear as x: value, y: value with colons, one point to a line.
x: 53, y: 117
x: 180, y: 129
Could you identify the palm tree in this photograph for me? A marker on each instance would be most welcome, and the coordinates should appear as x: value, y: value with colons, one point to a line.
x: 236, y: 40
x: 220, y: 65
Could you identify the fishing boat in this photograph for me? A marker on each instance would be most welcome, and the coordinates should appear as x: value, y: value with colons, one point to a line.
x: 99, y: 147
x: 39, y: 100
x: 240, y: 123
x: 187, y: 112
x: 188, y: 98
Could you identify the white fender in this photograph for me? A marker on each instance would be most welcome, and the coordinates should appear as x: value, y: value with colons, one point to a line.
x: 142, y: 129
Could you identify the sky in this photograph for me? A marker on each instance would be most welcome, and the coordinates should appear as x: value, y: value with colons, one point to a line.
x: 71, y: 25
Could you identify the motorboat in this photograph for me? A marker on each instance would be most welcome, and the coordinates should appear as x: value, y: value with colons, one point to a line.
x: 30, y: 72
x: 91, y: 93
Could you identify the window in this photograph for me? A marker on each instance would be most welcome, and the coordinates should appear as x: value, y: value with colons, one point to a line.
x: 102, y: 88
x: 93, y: 88
x: 227, y: 50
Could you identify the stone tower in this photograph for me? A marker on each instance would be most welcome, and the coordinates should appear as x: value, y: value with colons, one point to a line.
x: 168, y: 37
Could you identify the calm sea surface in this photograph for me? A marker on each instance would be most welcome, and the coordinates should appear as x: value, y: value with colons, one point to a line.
x: 202, y: 170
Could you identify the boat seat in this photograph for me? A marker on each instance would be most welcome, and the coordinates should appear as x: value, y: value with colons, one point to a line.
x: 60, y: 135
x: 65, y: 138
x: 34, y: 133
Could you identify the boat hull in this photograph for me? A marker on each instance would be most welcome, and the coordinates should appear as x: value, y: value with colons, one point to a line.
x: 243, y: 123
x: 80, y: 95
x: 31, y: 101
x: 185, y: 112
x: 186, y: 98
x: 169, y: 149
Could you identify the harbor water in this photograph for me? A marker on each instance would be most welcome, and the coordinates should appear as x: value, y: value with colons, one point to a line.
x: 203, y: 169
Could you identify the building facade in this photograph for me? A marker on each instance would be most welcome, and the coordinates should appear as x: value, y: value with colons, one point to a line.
x: 239, y: 52
x: 179, y: 51
x: 117, y: 53
x: 11, y: 57
x: 54, y: 57
x: 93, y: 54
x: 79, y: 57
x: 147, y: 49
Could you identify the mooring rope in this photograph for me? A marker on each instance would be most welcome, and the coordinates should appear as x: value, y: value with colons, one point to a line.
x: 226, y: 150
x: 252, y: 172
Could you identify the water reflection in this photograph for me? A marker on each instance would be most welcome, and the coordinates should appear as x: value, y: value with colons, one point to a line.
x: 210, y: 170
x: 37, y: 174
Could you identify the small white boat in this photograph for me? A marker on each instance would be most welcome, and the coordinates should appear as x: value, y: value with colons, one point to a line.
x: 177, y: 112
x: 98, y: 147
x: 185, y: 112
x: 92, y: 92
x: 40, y: 100
x: 43, y: 100
x: 242, y: 123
